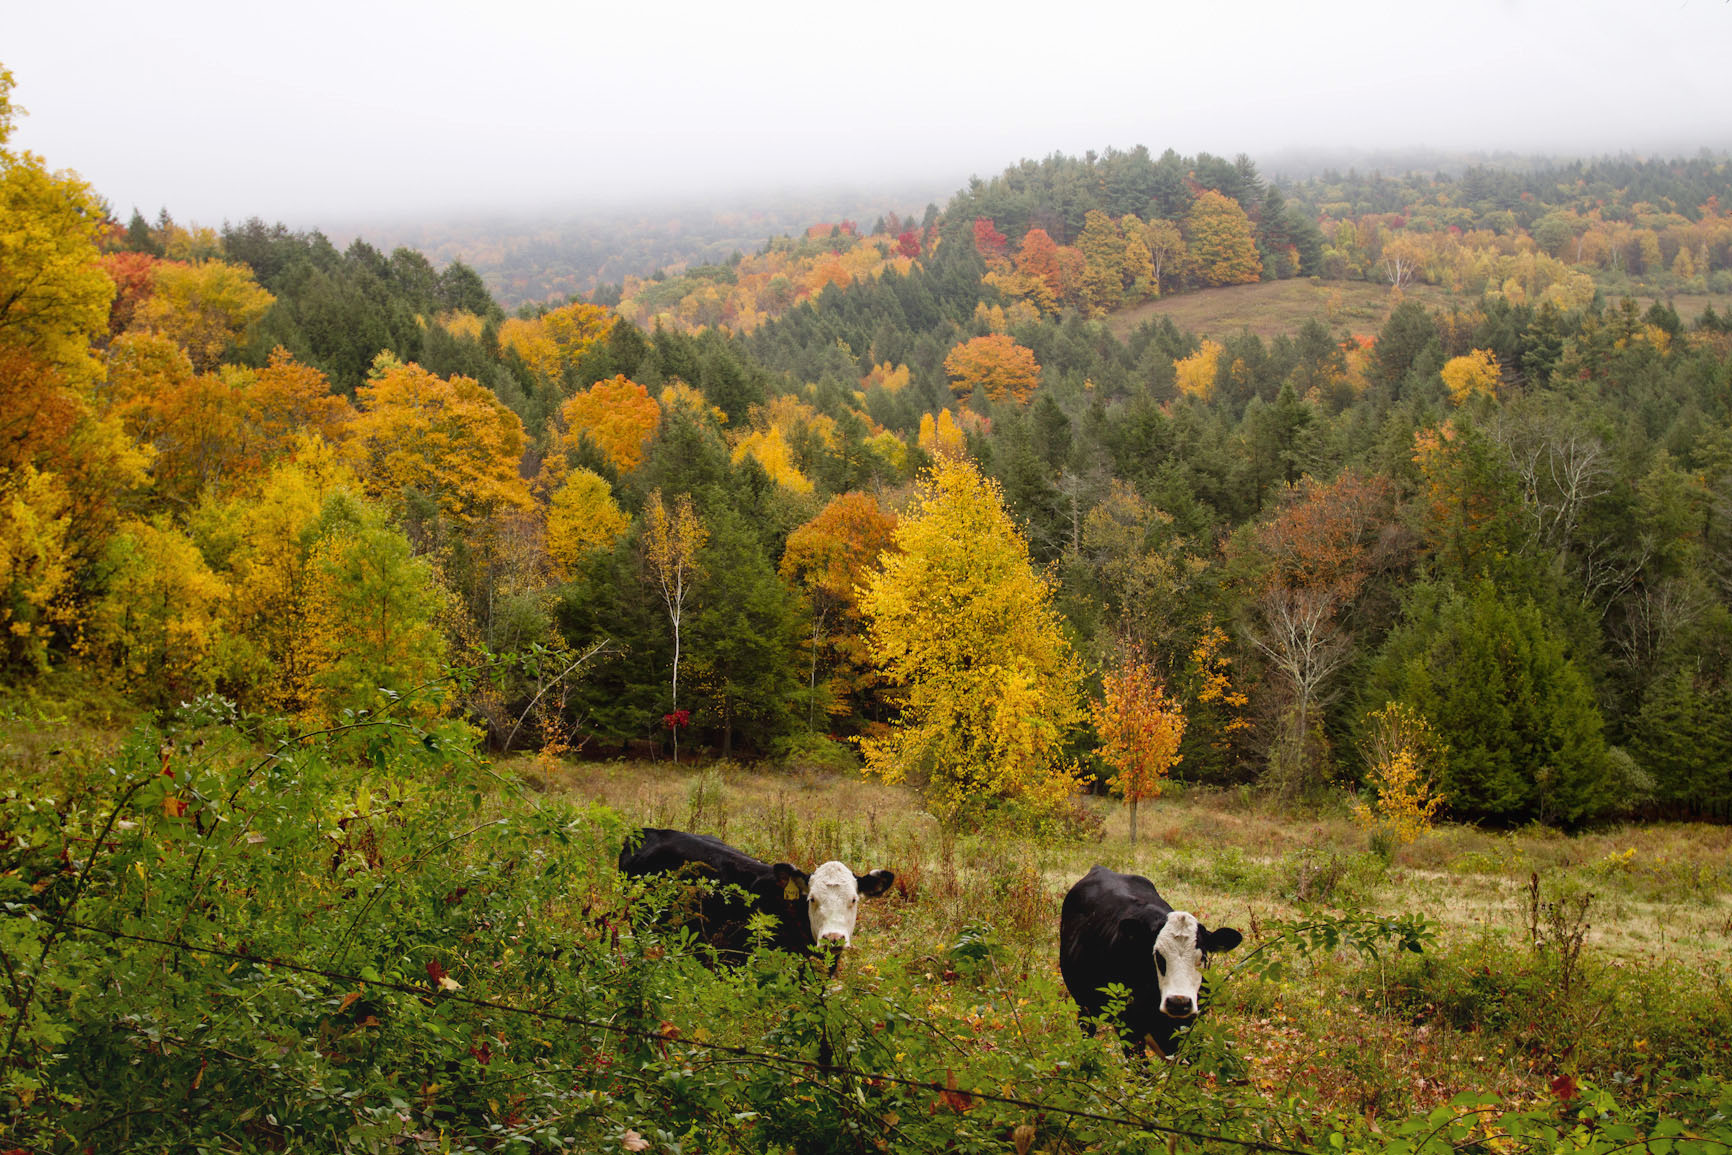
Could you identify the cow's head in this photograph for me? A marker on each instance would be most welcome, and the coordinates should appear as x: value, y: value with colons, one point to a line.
x: 833, y: 900
x: 1181, y: 946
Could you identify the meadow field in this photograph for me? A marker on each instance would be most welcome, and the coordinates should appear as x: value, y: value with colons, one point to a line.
x: 223, y: 936
x: 1539, y: 937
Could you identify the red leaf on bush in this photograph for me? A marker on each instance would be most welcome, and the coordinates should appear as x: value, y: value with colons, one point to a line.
x: 435, y: 971
x: 1564, y: 1088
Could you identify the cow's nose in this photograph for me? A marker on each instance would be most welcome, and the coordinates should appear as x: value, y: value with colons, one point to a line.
x: 835, y: 938
x: 1177, y: 1006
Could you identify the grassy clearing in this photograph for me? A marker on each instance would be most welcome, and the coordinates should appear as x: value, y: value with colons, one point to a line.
x: 1271, y: 308
x: 1485, y: 1010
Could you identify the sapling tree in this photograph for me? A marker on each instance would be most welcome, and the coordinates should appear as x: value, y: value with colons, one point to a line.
x: 1140, y: 729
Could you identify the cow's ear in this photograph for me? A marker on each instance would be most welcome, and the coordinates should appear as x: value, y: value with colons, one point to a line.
x: 1136, y: 932
x: 874, y: 882
x: 1219, y: 941
x: 791, y: 879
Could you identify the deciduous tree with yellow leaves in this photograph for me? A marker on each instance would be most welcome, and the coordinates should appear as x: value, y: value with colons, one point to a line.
x: 963, y: 626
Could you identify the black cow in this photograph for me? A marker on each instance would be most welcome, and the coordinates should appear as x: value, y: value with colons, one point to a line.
x: 805, y: 909
x: 1116, y: 928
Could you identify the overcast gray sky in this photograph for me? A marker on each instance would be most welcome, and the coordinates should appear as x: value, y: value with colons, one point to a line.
x: 328, y: 110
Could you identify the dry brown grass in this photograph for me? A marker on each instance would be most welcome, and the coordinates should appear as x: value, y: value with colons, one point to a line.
x: 1271, y: 308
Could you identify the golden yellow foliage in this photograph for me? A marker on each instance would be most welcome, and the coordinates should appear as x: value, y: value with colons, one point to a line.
x: 961, y: 622
x: 449, y: 439
x: 157, y: 623
x: 941, y: 437
x: 206, y: 308
x: 770, y: 449
x: 582, y: 517
x: 461, y: 323
x: 1196, y: 374
x: 553, y: 342
x: 1471, y: 375
x: 35, y: 569
x: 1402, y: 758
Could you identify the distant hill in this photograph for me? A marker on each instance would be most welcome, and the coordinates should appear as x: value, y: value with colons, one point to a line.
x: 552, y: 257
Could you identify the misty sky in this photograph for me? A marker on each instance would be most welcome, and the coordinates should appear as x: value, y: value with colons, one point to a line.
x: 321, y: 111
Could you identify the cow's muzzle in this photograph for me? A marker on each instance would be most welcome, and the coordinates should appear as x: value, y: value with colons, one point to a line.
x: 1178, y: 1007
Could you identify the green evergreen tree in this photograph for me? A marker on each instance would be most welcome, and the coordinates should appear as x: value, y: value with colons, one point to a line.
x: 1491, y: 676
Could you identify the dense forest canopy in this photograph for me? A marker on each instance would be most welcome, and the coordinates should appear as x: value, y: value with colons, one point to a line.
x: 244, y: 463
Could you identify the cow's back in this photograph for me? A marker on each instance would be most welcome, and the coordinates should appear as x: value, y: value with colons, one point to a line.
x: 662, y: 851
x: 1091, y: 953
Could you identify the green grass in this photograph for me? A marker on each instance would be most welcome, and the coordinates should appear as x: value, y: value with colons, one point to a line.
x: 1484, y: 1010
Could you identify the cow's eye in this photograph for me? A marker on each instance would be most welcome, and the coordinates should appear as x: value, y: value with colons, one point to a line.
x: 1161, y: 963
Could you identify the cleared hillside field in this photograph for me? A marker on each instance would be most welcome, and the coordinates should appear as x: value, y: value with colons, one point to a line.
x: 1271, y: 308
x: 1536, y: 933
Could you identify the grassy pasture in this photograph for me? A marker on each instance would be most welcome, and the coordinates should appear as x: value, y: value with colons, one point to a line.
x: 1271, y: 308
x: 1484, y: 1010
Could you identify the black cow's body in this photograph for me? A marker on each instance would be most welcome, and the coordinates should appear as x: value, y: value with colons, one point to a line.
x: 1116, y: 928
x: 720, y: 916
x: 804, y: 909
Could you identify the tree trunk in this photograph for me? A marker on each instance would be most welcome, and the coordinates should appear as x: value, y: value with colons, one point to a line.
x: 1133, y: 824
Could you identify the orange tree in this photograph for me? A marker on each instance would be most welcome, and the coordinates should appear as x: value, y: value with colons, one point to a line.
x: 994, y: 364
x: 1140, y: 729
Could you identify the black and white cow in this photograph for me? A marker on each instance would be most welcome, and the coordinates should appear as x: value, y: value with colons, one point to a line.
x: 1116, y: 928
x: 819, y: 908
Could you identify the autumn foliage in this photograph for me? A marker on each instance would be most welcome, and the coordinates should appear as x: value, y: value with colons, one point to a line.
x: 994, y: 365
x: 964, y: 630
x: 1140, y: 729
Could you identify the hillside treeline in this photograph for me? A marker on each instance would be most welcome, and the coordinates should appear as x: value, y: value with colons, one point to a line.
x: 248, y: 465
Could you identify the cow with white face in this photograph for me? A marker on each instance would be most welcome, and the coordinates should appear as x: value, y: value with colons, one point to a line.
x: 1116, y: 928
x: 816, y: 909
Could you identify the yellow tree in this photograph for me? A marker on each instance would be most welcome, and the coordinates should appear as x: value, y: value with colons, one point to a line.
x: 1196, y: 374
x: 53, y: 293
x: 448, y: 439
x: 1471, y: 375
x: 1403, y: 758
x: 554, y: 342
x: 617, y: 416
x: 962, y: 625
x: 1140, y: 730
x: 994, y: 364
x: 275, y: 613
x: 671, y: 544
x: 156, y: 626
x: 940, y: 436
x: 582, y: 517
x: 1166, y: 246
x: 64, y: 466
x: 35, y: 563
x: 828, y: 559
x: 1223, y: 249
x: 206, y: 308
x: 770, y: 449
